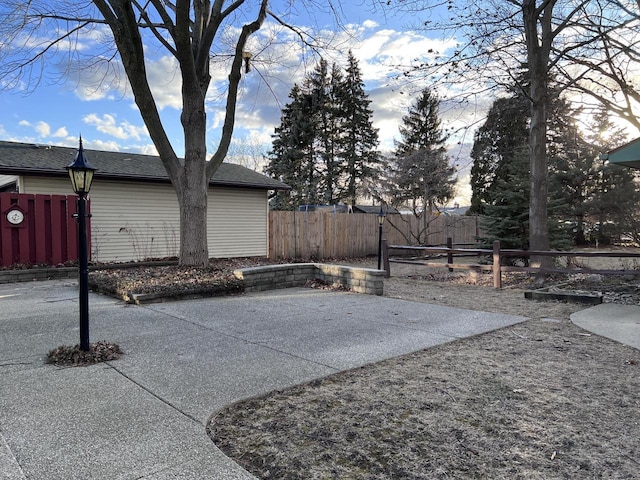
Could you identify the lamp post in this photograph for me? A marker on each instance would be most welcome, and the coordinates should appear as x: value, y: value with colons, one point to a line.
x: 381, y: 217
x: 81, y: 175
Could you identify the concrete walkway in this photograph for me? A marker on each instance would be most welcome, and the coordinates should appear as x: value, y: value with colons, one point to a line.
x: 617, y: 322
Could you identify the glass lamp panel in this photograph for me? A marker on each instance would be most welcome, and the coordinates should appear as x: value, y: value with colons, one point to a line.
x: 81, y: 180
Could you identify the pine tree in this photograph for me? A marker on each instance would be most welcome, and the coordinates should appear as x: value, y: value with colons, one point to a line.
x: 573, y: 167
x: 612, y: 210
x: 500, y: 176
x: 321, y: 86
x: 291, y: 159
x: 615, y: 206
x: 359, y: 140
x: 506, y: 213
x: 506, y: 210
x: 420, y: 175
x: 496, y: 142
x: 325, y: 145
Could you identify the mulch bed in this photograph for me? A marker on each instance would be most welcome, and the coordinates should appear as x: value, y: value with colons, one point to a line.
x: 172, y: 281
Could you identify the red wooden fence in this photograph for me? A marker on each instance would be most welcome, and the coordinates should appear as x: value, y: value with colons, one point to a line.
x: 47, y: 234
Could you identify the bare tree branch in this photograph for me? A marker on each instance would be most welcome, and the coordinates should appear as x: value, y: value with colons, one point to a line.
x: 167, y: 25
x: 234, y: 81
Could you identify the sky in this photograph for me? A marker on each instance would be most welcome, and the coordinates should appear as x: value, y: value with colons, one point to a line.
x: 69, y: 102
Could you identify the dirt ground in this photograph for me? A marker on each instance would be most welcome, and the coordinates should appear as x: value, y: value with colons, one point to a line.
x: 539, y: 400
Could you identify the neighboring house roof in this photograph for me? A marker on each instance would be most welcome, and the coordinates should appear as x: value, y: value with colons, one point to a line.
x: 454, y: 210
x: 627, y: 155
x: 30, y: 159
x: 374, y: 209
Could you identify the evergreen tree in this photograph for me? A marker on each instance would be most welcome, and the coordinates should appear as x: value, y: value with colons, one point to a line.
x: 291, y: 159
x: 420, y: 175
x: 573, y: 175
x: 325, y: 146
x: 506, y: 210
x: 612, y: 210
x: 506, y: 213
x: 322, y: 87
x: 504, y: 133
x: 500, y: 177
x: 359, y: 140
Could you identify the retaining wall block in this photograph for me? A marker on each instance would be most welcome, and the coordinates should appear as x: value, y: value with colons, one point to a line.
x: 361, y: 280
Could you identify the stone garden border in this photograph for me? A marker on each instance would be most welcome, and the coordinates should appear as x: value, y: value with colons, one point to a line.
x: 360, y: 280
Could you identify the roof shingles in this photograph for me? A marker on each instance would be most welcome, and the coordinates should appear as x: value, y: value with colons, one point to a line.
x: 30, y: 159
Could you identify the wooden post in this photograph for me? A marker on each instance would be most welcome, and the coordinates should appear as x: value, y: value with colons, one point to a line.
x: 449, y: 254
x: 497, y: 275
x: 385, y: 259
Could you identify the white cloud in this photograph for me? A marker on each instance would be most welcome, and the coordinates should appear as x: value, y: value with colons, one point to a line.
x: 148, y: 149
x: 107, y: 124
x: 115, y: 146
x: 463, y: 191
x: 68, y: 141
x: 110, y: 146
x: 43, y: 129
x: 165, y: 82
x: 61, y: 133
x: 102, y: 79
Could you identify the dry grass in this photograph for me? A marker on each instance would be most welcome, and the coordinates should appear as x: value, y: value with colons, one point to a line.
x: 537, y: 400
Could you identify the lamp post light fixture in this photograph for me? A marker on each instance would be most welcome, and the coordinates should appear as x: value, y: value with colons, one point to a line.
x: 381, y: 217
x: 81, y: 175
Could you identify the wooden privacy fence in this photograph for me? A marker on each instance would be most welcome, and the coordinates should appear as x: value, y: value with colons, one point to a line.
x: 406, y: 229
x: 43, y: 232
x: 499, y: 255
x: 335, y: 235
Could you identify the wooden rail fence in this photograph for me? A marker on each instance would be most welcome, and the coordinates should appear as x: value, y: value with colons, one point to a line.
x: 498, y: 255
x: 309, y: 235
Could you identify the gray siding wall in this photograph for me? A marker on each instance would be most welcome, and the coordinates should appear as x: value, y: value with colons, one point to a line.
x: 134, y: 221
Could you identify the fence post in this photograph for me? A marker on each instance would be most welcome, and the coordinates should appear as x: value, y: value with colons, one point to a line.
x: 449, y: 254
x: 497, y: 275
x: 385, y: 259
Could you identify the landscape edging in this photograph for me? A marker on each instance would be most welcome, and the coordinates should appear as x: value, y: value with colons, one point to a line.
x: 267, y: 277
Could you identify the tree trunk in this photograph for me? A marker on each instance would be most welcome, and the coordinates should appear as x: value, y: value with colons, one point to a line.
x: 538, y: 50
x: 192, y: 198
x: 193, y: 185
x: 538, y: 221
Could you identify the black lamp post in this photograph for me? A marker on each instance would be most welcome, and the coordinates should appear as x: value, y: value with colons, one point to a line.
x: 81, y: 175
x: 381, y: 217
